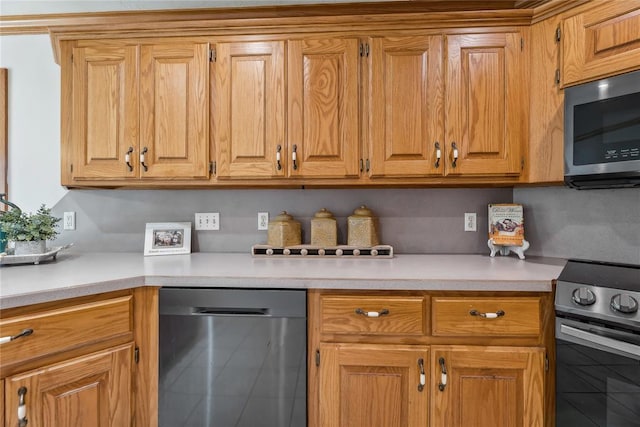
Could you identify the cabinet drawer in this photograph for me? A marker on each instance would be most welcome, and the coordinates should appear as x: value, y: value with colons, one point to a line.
x: 486, y: 316
x: 373, y: 315
x: 57, y: 330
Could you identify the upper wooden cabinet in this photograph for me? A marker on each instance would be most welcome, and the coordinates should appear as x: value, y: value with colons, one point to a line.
x: 406, y: 120
x: 323, y: 125
x: 603, y: 40
x: 465, y: 121
x: 138, y: 112
x: 249, y: 109
x: 485, y: 103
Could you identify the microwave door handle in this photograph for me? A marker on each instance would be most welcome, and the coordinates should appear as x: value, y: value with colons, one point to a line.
x: 611, y: 343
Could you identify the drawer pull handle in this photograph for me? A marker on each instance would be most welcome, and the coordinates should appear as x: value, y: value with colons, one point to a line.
x: 382, y: 312
x: 278, y: 162
x: 24, y: 333
x: 142, y: 161
x: 127, y: 158
x: 438, y: 155
x: 423, y: 377
x: 443, y: 374
x: 455, y: 154
x: 495, y: 315
x: 22, y: 407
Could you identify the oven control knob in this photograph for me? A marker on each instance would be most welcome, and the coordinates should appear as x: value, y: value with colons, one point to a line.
x: 583, y: 296
x: 624, y: 303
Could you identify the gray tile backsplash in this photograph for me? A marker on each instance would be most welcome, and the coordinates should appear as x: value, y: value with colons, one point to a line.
x: 559, y: 222
x: 411, y: 220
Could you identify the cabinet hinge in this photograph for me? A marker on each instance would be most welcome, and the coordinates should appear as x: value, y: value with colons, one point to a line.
x: 317, y: 357
x: 557, y: 77
x: 364, y: 49
x: 212, y: 55
x: 558, y: 35
x: 546, y: 363
x: 212, y: 168
x: 521, y: 43
x: 136, y: 354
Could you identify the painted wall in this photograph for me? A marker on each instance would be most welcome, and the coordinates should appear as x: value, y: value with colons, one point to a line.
x: 595, y: 224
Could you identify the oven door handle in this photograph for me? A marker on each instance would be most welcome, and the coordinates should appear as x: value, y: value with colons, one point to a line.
x: 600, y: 340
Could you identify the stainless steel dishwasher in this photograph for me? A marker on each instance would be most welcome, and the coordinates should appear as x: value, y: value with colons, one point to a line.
x: 232, y: 357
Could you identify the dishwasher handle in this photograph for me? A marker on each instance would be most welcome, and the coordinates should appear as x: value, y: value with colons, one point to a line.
x: 230, y: 311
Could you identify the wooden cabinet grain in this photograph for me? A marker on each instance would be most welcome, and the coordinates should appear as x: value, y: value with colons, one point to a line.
x: 138, y: 112
x: 459, y: 119
x: 373, y: 385
x: 371, y: 351
x: 602, y: 40
x: 91, y: 390
x: 487, y: 386
x: 88, y: 361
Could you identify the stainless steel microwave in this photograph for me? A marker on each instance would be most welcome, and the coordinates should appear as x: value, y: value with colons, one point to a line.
x: 602, y: 133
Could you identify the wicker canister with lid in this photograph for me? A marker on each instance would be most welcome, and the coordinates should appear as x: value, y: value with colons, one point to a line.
x: 284, y: 231
x: 362, y: 228
x: 324, y: 229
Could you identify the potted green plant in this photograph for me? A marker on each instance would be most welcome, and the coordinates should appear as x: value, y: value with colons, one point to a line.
x: 29, y: 232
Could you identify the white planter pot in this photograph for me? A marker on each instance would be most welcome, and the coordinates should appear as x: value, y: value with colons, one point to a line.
x: 34, y: 247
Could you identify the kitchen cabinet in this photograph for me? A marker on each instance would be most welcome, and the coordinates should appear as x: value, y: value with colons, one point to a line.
x: 603, y: 39
x: 322, y: 107
x: 85, y: 361
x: 248, y: 109
x: 138, y: 112
x: 373, y: 385
x: 94, y: 389
x: 487, y: 386
x: 400, y: 358
x: 485, y: 103
x: 466, y: 120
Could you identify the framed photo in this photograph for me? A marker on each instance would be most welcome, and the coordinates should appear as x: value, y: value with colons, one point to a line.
x: 167, y: 238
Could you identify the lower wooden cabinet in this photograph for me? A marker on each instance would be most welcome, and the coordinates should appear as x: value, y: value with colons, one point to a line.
x: 88, y: 361
x: 92, y: 390
x: 487, y: 386
x: 373, y: 386
x: 372, y: 371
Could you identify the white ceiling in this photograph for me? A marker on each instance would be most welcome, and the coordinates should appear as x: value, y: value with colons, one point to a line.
x: 36, y: 7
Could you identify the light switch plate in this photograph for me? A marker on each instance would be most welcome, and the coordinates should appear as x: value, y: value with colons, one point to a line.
x: 470, y: 222
x: 208, y: 221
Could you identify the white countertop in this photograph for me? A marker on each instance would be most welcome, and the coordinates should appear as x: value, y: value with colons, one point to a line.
x: 74, y: 274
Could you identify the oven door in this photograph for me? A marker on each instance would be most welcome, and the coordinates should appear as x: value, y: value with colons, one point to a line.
x: 597, y: 376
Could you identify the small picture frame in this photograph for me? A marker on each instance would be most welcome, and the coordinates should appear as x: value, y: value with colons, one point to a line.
x: 167, y: 238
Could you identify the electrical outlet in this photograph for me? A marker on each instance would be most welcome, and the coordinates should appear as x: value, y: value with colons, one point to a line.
x: 208, y: 221
x: 470, y: 223
x: 69, y: 222
x: 263, y: 220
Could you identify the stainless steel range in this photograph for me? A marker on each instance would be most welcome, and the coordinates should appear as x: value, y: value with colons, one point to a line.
x: 598, y: 345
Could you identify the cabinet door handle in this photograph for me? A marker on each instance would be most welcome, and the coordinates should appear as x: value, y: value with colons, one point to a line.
x: 144, y: 151
x: 495, y: 315
x: 382, y: 312
x: 443, y: 374
x: 127, y: 158
x: 438, y: 154
x: 423, y: 377
x: 455, y: 154
x: 22, y: 407
x: 24, y: 333
x: 278, y: 164
x: 294, y: 157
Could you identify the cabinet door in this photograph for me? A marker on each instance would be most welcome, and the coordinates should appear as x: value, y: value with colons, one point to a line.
x: 323, y: 108
x: 485, y: 103
x: 373, y: 386
x: 174, y: 106
x: 487, y: 386
x: 93, y: 390
x: 248, y: 111
x: 603, y: 41
x: 407, y: 120
x: 105, y: 112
